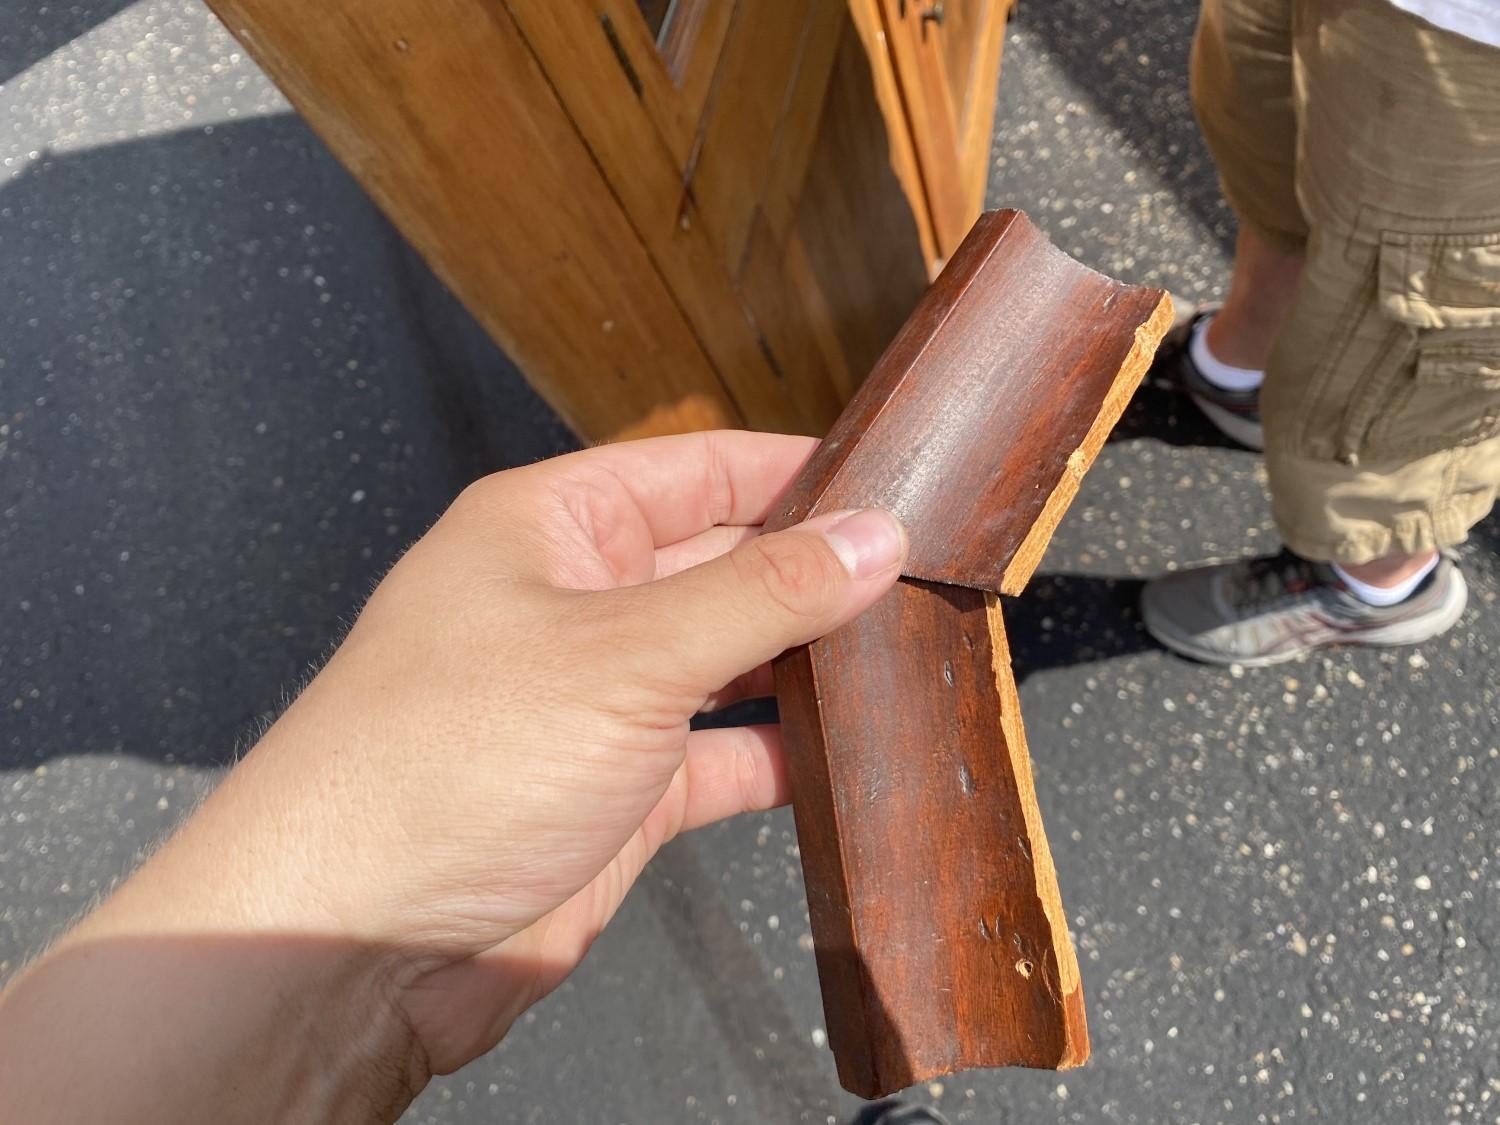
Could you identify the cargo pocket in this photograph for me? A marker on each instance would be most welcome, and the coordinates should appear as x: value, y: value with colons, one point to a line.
x: 1442, y: 293
x: 1437, y: 281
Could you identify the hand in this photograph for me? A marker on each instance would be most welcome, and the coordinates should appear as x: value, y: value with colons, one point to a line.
x: 520, y: 689
x: 473, y: 782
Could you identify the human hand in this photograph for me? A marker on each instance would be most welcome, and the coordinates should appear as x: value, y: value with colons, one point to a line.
x: 521, y: 688
x: 490, y: 758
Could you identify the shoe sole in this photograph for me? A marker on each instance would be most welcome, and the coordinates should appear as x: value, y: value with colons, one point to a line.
x: 1236, y: 427
x: 1442, y: 618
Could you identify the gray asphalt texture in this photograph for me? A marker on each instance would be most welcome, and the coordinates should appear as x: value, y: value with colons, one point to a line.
x: 230, y: 396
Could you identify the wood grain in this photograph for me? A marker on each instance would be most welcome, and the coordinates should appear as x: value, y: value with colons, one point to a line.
x: 937, y: 921
x: 869, y: 24
x: 914, y: 46
x: 941, y: 944
x: 828, y: 294
x: 692, y: 48
x: 440, y: 110
x: 1008, y: 377
x: 702, y: 234
x: 976, y: 131
x: 623, y: 132
x: 855, y: 231
x: 748, y: 111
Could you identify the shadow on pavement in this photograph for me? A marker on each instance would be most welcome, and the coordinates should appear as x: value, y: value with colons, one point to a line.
x: 1060, y: 620
x: 1131, y: 60
x: 231, y: 396
x: 33, y: 29
x: 1486, y: 533
x: 735, y: 983
x: 1067, y: 619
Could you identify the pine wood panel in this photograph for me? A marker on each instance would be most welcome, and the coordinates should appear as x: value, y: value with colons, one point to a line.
x: 615, y: 50
x: 693, y: 47
x: 829, y: 293
x: 916, y: 49
x: 492, y: 183
x: 646, y: 175
x: 976, y: 132
x: 855, y: 230
x: 802, y: 118
x: 747, y: 114
x: 869, y: 24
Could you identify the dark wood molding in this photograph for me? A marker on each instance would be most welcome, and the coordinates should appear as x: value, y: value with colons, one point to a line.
x: 940, y: 934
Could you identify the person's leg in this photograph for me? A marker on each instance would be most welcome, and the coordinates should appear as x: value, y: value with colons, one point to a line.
x: 1262, y: 291
x: 1381, y: 402
x: 1243, y: 90
x: 1242, y: 87
x: 1382, y: 391
x: 1389, y: 571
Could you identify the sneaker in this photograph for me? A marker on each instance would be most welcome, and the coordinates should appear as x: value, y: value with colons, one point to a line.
x: 1235, y: 414
x: 896, y: 1112
x: 1264, y: 611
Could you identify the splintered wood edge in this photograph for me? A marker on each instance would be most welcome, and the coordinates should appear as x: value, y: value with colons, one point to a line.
x: 1075, y: 1019
x: 1029, y: 554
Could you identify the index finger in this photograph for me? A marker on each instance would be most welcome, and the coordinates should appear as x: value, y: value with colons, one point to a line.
x: 687, y: 483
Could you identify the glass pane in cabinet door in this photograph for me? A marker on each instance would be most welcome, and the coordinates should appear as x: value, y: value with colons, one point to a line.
x: 658, y: 14
x: 676, y: 24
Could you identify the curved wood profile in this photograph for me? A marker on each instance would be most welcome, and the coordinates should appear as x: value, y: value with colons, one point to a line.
x: 939, y: 929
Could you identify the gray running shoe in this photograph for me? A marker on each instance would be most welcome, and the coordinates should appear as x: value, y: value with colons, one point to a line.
x: 1264, y: 611
x: 1235, y: 414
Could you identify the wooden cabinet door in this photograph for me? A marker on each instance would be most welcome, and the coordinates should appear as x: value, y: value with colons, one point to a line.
x: 703, y: 116
x: 672, y: 214
x: 946, y: 55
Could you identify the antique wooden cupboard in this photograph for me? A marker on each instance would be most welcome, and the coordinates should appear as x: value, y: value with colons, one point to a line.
x: 672, y: 214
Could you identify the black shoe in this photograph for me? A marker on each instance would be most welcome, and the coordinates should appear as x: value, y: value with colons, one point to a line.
x: 1235, y: 414
x: 899, y: 1113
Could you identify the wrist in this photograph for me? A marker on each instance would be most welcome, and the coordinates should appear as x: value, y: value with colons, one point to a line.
x: 221, y: 949
x: 199, y: 1029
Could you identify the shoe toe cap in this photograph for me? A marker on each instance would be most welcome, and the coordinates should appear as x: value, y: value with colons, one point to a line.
x: 1184, y: 612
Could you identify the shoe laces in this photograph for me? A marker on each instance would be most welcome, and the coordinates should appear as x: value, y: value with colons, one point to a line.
x: 1263, y: 581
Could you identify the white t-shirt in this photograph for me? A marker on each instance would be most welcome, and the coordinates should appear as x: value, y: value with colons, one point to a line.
x: 1476, y: 19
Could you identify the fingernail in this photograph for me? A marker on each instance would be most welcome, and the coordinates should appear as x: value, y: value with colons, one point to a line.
x: 868, y: 542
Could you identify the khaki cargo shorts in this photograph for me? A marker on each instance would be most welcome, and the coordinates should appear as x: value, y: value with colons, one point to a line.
x: 1371, y: 139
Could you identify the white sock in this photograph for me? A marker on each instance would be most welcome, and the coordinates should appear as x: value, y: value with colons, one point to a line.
x: 1385, y: 595
x: 1218, y: 373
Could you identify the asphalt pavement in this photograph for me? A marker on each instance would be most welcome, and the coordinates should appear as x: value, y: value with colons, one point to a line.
x: 230, y: 396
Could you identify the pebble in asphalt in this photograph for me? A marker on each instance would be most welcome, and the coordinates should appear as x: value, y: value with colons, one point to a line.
x: 229, y: 396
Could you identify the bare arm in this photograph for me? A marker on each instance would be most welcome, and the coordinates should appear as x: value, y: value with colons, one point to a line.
x: 430, y: 838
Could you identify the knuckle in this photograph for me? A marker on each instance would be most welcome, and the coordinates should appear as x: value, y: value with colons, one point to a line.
x: 797, y: 573
x: 484, y: 496
x: 749, y: 780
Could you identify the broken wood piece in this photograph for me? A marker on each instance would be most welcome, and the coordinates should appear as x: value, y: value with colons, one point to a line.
x: 939, y: 931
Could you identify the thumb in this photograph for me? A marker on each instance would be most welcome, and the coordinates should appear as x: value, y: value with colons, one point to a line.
x: 720, y: 619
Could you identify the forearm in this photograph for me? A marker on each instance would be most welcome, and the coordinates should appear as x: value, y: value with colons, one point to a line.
x: 199, y: 993
x: 212, y: 1029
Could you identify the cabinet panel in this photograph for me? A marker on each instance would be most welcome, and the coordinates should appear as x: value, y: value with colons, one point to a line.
x: 443, y: 113
x: 673, y: 214
x: 647, y: 176
x: 947, y: 61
